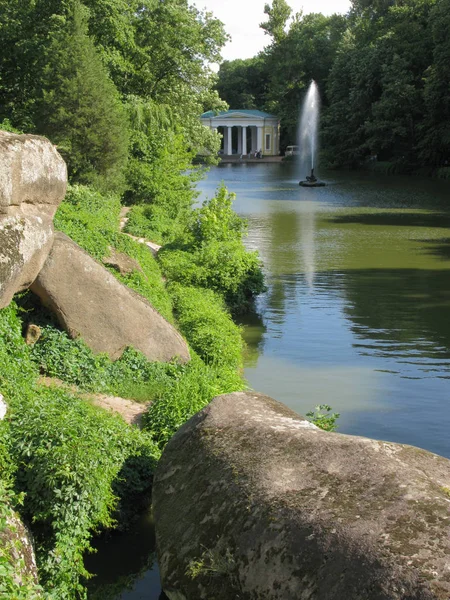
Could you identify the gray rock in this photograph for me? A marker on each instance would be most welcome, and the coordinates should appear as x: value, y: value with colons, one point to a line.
x: 123, y: 263
x: 251, y: 502
x: 31, y: 172
x: 33, y: 180
x: 89, y: 302
x: 17, y: 549
x: 25, y: 241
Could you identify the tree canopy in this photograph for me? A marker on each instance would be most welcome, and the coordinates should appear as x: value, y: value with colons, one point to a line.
x: 382, y: 70
x: 77, y: 71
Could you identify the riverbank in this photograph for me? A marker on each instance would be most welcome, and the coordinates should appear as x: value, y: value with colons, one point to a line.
x: 401, y: 168
x: 197, y: 301
x: 235, y: 158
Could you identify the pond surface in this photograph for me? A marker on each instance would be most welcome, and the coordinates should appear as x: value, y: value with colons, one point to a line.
x: 357, y: 316
x: 357, y: 312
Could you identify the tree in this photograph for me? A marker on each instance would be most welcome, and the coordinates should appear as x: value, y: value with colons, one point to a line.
x: 80, y: 109
x: 242, y: 83
x: 434, y: 145
x: 278, y: 14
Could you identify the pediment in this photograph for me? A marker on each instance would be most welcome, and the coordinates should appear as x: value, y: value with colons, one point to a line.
x: 236, y: 116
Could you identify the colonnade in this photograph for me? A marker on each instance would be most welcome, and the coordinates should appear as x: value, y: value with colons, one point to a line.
x: 256, y: 139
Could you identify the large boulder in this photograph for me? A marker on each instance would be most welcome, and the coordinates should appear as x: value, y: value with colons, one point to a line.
x: 19, y: 571
x: 253, y: 502
x: 33, y: 180
x: 90, y: 302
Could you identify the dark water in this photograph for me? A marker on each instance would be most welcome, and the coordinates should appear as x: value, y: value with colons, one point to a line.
x: 125, y: 565
x: 357, y: 314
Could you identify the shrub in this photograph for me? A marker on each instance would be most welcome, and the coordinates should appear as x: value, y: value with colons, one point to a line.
x: 206, y: 324
x: 209, y: 252
x: 324, y: 418
x: 212, y: 254
x: 67, y: 456
x: 195, y: 385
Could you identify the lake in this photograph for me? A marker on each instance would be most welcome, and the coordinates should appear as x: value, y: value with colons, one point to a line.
x: 357, y: 311
x: 356, y: 315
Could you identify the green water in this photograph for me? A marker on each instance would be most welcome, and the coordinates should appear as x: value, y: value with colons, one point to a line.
x: 357, y: 312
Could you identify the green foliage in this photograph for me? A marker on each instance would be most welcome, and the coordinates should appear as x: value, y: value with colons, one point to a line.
x: 212, y: 254
x: 91, y: 219
x: 193, y: 387
x: 67, y: 455
x: 5, y: 125
x: 324, y: 418
x: 278, y: 15
x: 242, y: 82
x: 206, y: 324
x: 157, y: 170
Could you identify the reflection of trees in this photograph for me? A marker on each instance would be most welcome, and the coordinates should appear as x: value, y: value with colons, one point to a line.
x: 254, y: 330
x: 282, y: 256
x: 405, y: 311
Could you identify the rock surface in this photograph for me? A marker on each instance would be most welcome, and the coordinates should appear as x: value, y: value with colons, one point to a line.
x: 33, y: 180
x: 17, y: 548
x: 252, y: 502
x: 89, y: 302
x: 3, y: 408
x: 123, y: 263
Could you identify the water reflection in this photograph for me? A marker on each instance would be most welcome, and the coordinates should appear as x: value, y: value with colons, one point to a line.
x: 357, y: 313
x: 124, y: 565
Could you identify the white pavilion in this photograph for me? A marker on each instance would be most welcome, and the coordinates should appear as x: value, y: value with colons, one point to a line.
x: 245, y: 131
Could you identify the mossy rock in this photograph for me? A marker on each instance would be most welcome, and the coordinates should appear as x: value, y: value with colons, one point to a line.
x: 253, y: 502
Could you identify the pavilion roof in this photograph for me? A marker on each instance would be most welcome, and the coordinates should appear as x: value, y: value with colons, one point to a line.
x: 250, y: 112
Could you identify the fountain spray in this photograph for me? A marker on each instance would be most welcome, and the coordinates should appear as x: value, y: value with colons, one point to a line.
x: 308, y: 133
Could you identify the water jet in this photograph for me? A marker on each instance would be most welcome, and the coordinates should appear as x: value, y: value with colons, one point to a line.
x: 308, y: 135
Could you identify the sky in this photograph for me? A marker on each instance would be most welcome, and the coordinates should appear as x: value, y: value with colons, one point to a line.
x: 242, y: 19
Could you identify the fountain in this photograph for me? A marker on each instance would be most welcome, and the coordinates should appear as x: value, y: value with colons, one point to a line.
x: 307, y: 135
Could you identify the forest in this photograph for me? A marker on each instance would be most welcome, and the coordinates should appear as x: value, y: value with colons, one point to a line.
x: 384, y: 76
x: 118, y: 85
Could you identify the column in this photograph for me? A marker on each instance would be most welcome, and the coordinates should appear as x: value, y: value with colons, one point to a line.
x: 253, y: 130
x: 259, y: 140
x: 229, y: 140
x: 225, y: 139
x: 239, y: 132
x: 244, y: 140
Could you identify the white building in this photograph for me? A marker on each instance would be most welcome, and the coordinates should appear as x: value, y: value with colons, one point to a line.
x: 245, y: 131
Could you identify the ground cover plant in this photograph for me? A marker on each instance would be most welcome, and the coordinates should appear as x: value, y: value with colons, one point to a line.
x: 64, y: 459
x: 91, y: 219
x: 210, y: 252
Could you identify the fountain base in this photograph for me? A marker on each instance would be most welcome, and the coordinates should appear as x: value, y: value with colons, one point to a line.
x: 311, y: 181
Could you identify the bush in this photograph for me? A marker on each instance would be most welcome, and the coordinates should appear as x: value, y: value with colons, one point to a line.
x: 324, y: 418
x: 211, y: 254
x: 67, y: 456
x: 195, y: 385
x: 91, y: 219
x: 206, y: 324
